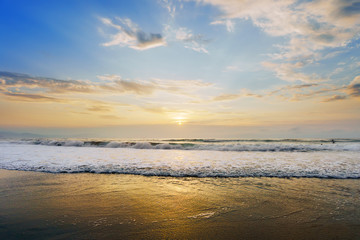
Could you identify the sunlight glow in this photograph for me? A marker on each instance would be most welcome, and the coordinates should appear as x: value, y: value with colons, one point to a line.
x: 180, y: 118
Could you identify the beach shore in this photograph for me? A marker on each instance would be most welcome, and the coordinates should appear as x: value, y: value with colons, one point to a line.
x: 37, y: 205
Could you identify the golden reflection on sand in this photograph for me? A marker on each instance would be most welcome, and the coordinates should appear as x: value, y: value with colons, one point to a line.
x: 128, y: 206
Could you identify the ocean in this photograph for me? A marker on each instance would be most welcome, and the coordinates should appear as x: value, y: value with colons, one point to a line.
x: 180, y: 189
x: 314, y: 158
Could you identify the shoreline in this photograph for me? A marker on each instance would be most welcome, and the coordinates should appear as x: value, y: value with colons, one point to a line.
x: 108, y: 206
x: 183, y: 176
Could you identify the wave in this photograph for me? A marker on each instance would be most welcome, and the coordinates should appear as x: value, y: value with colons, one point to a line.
x: 178, y: 163
x: 186, y: 173
x: 267, y: 145
x: 296, y: 140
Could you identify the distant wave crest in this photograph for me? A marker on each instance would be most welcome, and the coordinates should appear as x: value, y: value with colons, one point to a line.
x: 239, y: 145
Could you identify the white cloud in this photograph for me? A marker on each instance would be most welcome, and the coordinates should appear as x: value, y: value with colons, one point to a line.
x: 130, y: 35
x: 288, y: 72
x: 308, y: 28
x: 190, y: 40
x: 169, y: 6
x: 229, y: 24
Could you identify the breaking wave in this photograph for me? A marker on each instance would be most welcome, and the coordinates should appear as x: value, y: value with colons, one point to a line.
x: 179, y: 163
x: 238, y: 145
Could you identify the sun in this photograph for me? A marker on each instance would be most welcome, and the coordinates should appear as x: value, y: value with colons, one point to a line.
x: 179, y: 118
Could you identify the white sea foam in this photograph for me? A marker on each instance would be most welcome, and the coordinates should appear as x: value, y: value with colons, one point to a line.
x: 271, y: 145
x: 159, y: 162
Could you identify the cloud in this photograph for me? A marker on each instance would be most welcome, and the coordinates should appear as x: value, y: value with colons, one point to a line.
x: 154, y: 109
x: 195, y: 42
x: 169, y: 6
x: 31, y: 97
x: 184, y: 87
x: 99, y: 108
x: 120, y: 85
x: 309, y: 25
x: 306, y: 91
x: 354, y: 87
x: 181, y: 85
x: 229, y: 97
x: 301, y: 91
x: 192, y: 41
x: 308, y: 28
x: 226, y: 96
x: 298, y: 92
x: 23, y: 86
x: 111, y: 117
x: 51, y: 85
x: 136, y: 87
x: 335, y: 98
x: 130, y: 35
x: 293, y: 87
x: 287, y: 72
x: 230, y: 26
x: 337, y: 71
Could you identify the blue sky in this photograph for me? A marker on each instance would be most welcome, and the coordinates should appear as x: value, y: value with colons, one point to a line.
x: 195, y: 62
x: 62, y: 39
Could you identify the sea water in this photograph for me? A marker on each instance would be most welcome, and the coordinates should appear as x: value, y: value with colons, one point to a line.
x: 315, y: 158
x: 180, y: 189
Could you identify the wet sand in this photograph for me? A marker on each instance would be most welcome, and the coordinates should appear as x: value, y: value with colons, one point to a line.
x: 100, y: 206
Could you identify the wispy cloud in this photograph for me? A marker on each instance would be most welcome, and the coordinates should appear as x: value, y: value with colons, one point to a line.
x: 112, y: 98
x: 190, y: 40
x: 120, y: 85
x: 154, y: 109
x: 16, y: 84
x: 335, y: 98
x: 233, y: 68
x: 293, y: 87
x: 231, y: 96
x: 31, y: 97
x: 99, y: 108
x: 308, y: 26
x: 174, y: 33
x: 51, y: 85
x: 26, y: 87
x: 300, y: 92
x: 226, y: 97
x: 314, y: 91
x: 229, y: 24
x: 128, y: 34
x: 184, y: 87
x: 354, y: 87
x: 169, y: 6
x: 290, y: 72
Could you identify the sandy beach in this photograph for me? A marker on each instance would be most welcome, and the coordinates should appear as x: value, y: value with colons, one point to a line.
x: 114, y: 206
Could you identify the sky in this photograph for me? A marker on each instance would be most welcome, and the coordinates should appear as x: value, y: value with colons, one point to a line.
x: 180, y: 68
